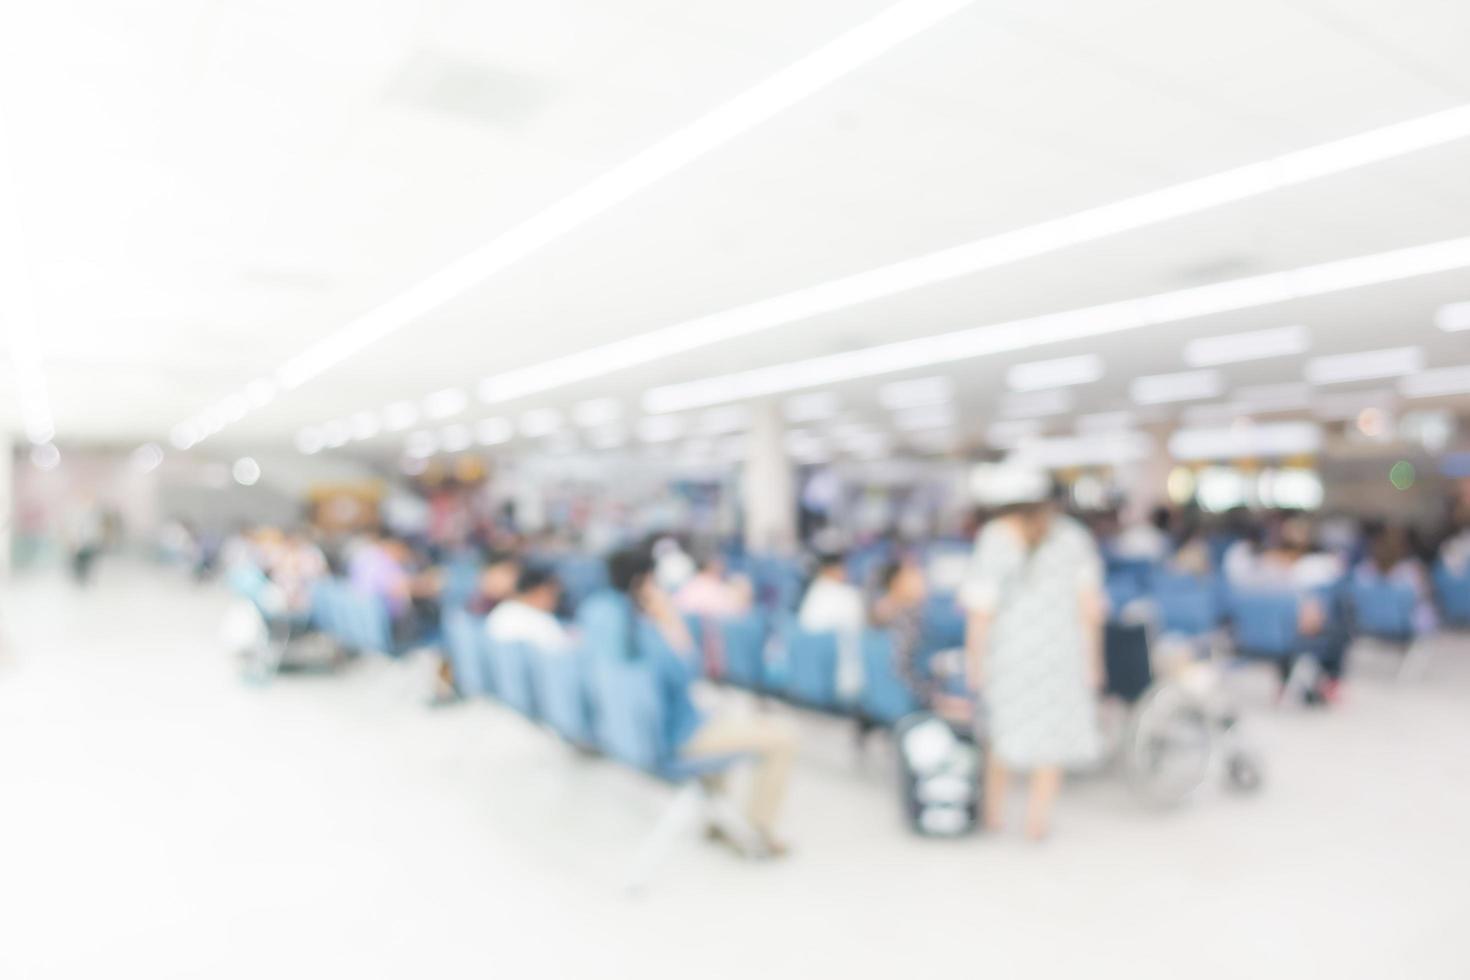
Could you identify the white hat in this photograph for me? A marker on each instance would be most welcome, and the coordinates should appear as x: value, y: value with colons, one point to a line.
x: 1003, y: 484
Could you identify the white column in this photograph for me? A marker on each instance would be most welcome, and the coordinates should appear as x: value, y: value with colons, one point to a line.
x: 7, y: 506
x: 768, y: 484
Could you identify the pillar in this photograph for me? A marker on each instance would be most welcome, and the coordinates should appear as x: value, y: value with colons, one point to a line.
x: 768, y: 484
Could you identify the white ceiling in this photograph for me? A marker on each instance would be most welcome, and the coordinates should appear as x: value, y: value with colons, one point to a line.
x: 207, y: 188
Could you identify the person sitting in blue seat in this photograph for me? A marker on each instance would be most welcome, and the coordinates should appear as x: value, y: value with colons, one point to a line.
x: 899, y: 608
x: 528, y: 616
x: 638, y: 617
x: 1391, y: 560
x: 1293, y: 563
x: 834, y: 605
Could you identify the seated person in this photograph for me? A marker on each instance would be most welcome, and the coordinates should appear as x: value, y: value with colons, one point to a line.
x: 528, y: 616
x: 497, y: 582
x: 374, y: 568
x: 834, y: 605
x: 1292, y: 564
x: 297, y: 565
x: 899, y: 608
x: 1391, y: 560
x: 709, y: 593
x: 638, y: 621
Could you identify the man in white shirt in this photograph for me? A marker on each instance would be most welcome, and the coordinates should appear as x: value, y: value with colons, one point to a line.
x: 528, y: 616
x: 834, y: 605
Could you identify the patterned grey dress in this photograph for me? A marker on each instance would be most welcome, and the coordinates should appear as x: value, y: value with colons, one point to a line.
x: 1040, y: 704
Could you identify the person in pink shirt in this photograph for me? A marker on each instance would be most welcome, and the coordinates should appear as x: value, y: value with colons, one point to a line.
x: 711, y: 594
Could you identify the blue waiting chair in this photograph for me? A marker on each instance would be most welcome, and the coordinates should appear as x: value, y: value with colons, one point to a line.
x: 629, y: 727
x: 1264, y: 627
x: 561, y: 693
x: 464, y: 645
x: 811, y: 667
x: 1453, y: 592
x: 885, y: 697
x: 745, y: 651
x: 1189, y: 605
x: 1385, y: 611
x: 510, y: 674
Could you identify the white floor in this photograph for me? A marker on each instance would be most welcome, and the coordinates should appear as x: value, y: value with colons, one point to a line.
x: 160, y: 819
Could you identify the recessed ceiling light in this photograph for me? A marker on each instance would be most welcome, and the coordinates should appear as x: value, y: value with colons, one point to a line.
x: 421, y: 444
x: 246, y: 471
x: 1235, y: 441
x: 540, y: 422
x: 1365, y: 365
x: 1057, y: 373
x: 309, y: 441
x: 597, y: 411
x: 494, y: 431
x: 1435, y: 383
x: 1275, y: 397
x: 455, y: 438
x: 1103, y: 449
x: 915, y: 391
x: 660, y: 428
x: 1453, y: 317
x: 919, y: 417
x: 814, y: 406
x: 364, y: 425
x: 1035, y: 404
x: 445, y: 403
x: 1105, y: 421
x: 1253, y: 345
x: 399, y: 416
x: 336, y: 433
x: 1156, y: 389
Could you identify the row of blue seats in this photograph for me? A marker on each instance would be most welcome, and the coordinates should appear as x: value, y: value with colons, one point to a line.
x: 1193, y: 605
x: 776, y: 657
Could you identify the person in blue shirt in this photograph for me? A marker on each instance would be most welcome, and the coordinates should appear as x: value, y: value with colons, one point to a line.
x: 639, y: 620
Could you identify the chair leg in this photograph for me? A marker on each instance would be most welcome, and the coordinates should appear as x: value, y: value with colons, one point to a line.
x: 681, y: 816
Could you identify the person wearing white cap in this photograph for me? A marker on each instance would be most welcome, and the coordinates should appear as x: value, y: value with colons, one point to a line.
x: 1034, y: 639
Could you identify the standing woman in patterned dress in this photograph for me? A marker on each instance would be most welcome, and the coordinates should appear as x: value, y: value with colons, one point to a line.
x: 1033, y: 640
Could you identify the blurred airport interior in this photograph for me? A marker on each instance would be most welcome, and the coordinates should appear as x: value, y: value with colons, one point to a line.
x: 640, y: 488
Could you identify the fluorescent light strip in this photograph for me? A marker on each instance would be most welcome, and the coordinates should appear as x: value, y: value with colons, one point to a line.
x: 1035, y: 404
x: 1058, y: 373
x: 1105, y: 422
x: 787, y: 87
x: 1436, y: 383
x: 1140, y: 211
x: 913, y: 392
x: 1091, y: 321
x: 1368, y: 365
x: 1159, y: 389
x: 1233, y: 442
x: 1453, y: 317
x: 1253, y: 345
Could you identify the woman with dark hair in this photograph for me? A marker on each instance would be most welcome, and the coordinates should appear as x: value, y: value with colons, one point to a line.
x: 637, y: 620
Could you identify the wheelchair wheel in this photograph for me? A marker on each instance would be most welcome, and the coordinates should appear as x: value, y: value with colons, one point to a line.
x: 1243, y: 773
x: 1167, y: 746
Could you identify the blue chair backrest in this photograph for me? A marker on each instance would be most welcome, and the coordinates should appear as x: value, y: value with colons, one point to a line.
x: 464, y: 643
x: 461, y: 581
x: 627, y: 710
x: 811, y: 666
x: 885, y: 697
x: 510, y: 672
x: 371, y: 625
x: 1265, y: 623
x: 580, y: 577
x: 777, y: 581
x: 1385, y: 609
x: 1453, y: 592
x: 943, y: 625
x: 561, y: 692
x: 1121, y: 590
x: 745, y: 650
x: 1188, y: 604
x: 326, y: 607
